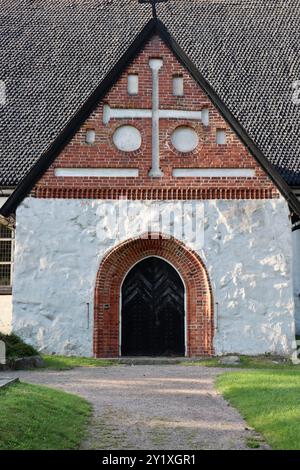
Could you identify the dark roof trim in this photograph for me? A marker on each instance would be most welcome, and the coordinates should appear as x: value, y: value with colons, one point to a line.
x: 152, y: 27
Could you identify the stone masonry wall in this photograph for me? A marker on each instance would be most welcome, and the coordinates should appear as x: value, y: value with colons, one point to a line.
x: 246, y: 250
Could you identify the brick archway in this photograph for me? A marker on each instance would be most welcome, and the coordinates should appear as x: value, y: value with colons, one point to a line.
x: 112, y: 271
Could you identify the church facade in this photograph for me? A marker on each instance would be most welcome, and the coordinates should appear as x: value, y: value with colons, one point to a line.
x: 203, y: 206
x: 153, y: 227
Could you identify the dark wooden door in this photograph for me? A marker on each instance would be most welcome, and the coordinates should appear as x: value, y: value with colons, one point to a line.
x: 153, y: 310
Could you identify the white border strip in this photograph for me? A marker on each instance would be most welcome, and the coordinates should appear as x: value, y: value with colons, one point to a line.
x: 174, y: 114
x: 117, y: 113
x: 214, y: 172
x: 97, y: 172
x: 120, y: 113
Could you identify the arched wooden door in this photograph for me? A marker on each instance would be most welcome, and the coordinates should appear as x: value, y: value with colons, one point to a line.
x: 152, y: 314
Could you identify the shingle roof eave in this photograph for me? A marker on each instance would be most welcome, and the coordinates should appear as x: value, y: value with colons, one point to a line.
x: 54, y: 54
x: 154, y: 26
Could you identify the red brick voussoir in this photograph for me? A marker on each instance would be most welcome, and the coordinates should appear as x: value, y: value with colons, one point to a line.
x: 112, y: 271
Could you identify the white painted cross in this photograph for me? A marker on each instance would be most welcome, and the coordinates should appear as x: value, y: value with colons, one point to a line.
x: 155, y: 114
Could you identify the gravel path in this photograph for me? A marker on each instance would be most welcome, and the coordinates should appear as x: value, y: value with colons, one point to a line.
x: 152, y: 407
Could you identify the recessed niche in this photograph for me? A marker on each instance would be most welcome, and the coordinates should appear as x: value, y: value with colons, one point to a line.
x: 90, y: 136
x: 185, y: 139
x: 133, y: 84
x: 178, y: 86
x: 127, y: 138
x: 221, y: 137
x: 205, y: 116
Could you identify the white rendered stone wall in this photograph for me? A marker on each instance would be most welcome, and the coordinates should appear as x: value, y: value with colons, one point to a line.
x: 5, y: 313
x: 246, y: 249
x: 296, y: 276
x: 5, y: 300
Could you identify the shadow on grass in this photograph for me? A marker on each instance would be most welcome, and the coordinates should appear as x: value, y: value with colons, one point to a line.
x: 34, y: 417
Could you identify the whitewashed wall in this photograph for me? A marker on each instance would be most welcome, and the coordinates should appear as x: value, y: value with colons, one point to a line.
x: 5, y: 302
x: 247, y: 250
x: 296, y: 277
x: 5, y: 313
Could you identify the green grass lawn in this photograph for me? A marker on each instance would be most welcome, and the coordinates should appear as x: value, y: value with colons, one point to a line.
x: 269, y: 400
x: 249, y: 362
x: 65, y: 363
x: 35, y: 417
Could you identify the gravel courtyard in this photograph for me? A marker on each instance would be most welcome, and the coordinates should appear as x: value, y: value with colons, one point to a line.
x: 151, y: 407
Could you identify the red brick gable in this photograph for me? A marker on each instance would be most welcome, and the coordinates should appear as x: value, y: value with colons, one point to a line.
x: 104, y: 154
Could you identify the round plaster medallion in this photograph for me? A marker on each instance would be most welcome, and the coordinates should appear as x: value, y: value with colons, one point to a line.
x: 127, y: 138
x: 185, y: 139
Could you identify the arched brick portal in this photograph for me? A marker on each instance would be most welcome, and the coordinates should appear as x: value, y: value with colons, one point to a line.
x: 113, y: 269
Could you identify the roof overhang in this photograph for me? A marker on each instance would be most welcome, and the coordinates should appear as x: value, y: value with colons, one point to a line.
x: 154, y: 26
